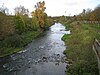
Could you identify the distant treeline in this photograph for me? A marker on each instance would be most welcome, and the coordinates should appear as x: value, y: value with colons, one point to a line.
x: 87, y: 16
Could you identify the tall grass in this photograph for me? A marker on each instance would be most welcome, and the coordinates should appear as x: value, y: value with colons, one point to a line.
x: 79, y: 50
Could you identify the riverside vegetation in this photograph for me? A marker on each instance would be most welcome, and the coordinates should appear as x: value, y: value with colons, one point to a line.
x: 16, y: 31
x: 79, y: 43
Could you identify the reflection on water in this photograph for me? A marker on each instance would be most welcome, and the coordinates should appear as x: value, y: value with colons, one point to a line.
x: 44, y: 56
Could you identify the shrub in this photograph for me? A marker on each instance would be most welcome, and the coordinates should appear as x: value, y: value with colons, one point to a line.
x: 13, y: 41
x: 19, y: 24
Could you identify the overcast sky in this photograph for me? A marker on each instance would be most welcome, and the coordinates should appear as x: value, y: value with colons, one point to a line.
x: 54, y: 7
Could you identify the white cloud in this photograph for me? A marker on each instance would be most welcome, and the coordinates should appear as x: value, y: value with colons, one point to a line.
x: 58, y: 7
x: 54, y: 7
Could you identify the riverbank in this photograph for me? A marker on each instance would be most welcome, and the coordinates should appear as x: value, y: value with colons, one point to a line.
x: 18, y: 40
x: 43, y: 56
x: 79, y: 48
x: 16, y: 31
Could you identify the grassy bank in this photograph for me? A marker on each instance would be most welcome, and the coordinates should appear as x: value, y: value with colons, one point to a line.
x: 79, y: 49
x: 16, y: 31
x: 17, y: 42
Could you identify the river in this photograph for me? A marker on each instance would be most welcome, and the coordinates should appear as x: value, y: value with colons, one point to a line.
x: 44, y: 56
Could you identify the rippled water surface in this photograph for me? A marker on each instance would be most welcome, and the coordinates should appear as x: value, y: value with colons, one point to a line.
x: 44, y: 56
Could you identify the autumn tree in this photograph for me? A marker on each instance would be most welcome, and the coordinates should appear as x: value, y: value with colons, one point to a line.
x: 39, y: 15
x: 97, y: 12
x: 92, y: 16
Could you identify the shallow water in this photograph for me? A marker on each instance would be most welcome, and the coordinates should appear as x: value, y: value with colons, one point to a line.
x: 44, y: 56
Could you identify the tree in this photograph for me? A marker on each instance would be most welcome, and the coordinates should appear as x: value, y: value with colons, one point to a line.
x: 39, y: 15
x: 21, y: 10
x: 20, y: 25
x: 22, y: 20
x: 84, y: 11
x: 97, y: 12
x: 4, y: 10
x: 92, y: 16
x: 88, y: 14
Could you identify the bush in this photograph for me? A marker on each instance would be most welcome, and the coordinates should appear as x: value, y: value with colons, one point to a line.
x: 19, y: 24
x: 7, y: 27
x: 13, y: 41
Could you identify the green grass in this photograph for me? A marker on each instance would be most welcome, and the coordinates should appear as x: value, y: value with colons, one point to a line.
x: 94, y: 29
x: 66, y: 37
x: 8, y: 51
x: 29, y: 36
x: 12, y: 44
x: 79, y: 50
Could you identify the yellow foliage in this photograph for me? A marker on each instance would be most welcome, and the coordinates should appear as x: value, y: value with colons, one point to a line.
x: 39, y: 14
